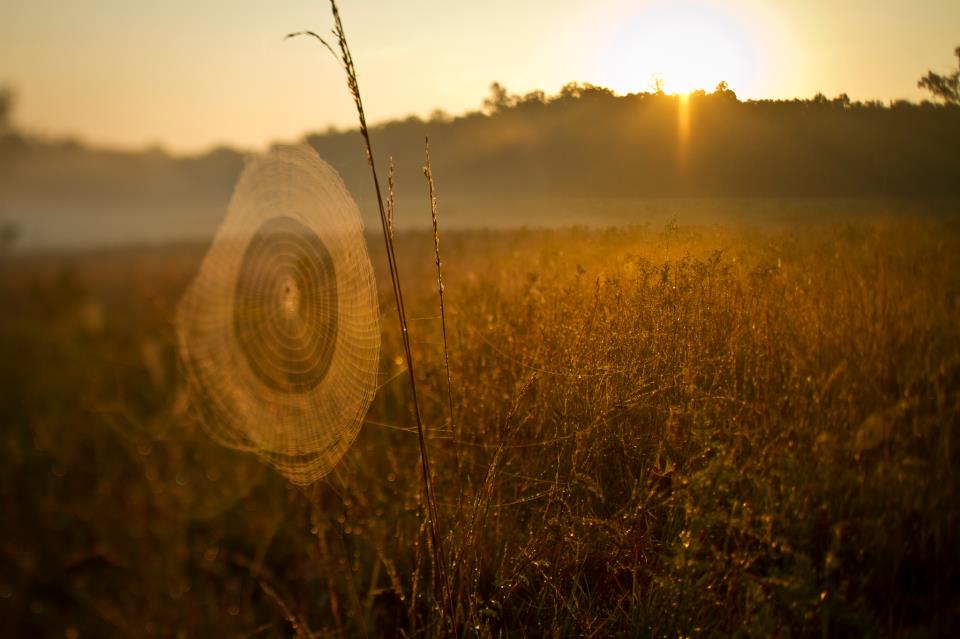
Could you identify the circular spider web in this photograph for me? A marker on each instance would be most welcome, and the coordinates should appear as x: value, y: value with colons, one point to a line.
x: 279, y: 333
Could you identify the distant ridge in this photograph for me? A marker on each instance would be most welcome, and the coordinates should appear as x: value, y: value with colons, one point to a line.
x: 584, y: 143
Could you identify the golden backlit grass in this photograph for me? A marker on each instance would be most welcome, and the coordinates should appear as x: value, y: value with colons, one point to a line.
x: 657, y: 432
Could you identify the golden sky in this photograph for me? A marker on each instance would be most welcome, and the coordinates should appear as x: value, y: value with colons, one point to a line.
x: 188, y: 75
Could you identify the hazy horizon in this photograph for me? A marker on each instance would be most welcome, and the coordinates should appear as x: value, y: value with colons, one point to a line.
x: 250, y: 88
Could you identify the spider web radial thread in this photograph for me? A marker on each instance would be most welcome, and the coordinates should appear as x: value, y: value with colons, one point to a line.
x: 279, y: 333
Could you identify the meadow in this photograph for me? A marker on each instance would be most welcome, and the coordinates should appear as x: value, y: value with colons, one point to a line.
x: 665, y: 430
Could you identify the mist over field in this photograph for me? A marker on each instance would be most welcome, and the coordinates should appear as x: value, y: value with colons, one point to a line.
x: 584, y: 156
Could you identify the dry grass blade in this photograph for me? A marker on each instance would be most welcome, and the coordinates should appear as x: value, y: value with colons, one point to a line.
x: 300, y: 629
x: 317, y: 37
x: 391, y: 198
x: 428, y: 173
x: 346, y: 61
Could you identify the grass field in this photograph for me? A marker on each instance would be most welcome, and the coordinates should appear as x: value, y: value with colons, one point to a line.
x: 658, y: 431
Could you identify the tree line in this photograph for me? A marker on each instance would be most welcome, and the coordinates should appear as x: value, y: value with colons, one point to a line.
x: 584, y: 141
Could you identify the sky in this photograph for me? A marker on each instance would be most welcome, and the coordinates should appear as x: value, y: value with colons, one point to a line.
x: 187, y: 75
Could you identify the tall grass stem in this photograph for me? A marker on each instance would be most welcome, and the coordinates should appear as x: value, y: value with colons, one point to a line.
x: 346, y: 61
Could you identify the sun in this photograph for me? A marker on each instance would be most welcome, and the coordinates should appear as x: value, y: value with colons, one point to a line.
x: 687, y: 46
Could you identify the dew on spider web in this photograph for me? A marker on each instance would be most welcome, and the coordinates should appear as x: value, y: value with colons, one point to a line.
x: 279, y: 333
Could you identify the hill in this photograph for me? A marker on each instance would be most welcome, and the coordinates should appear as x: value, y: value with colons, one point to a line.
x: 583, y: 156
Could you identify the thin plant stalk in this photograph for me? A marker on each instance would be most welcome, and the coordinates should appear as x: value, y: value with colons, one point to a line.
x: 391, y: 200
x: 428, y: 173
x: 345, y: 59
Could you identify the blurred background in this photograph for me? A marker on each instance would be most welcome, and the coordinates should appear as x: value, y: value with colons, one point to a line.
x: 125, y: 123
x: 702, y: 274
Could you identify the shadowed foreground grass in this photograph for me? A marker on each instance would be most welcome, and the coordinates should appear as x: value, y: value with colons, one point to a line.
x: 657, y: 432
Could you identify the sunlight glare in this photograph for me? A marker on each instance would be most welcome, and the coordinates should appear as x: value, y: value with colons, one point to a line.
x: 683, y: 129
x: 689, y: 46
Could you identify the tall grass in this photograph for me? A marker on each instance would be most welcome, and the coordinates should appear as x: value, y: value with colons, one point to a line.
x: 345, y: 59
x: 431, y: 191
x: 610, y: 484
x: 686, y: 431
x: 667, y: 431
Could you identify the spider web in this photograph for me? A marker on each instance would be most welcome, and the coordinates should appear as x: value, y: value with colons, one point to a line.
x: 279, y: 333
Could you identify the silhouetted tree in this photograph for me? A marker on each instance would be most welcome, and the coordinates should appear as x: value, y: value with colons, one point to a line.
x: 572, y: 91
x: 499, y: 99
x: 534, y: 97
x: 945, y: 87
x: 569, y: 91
x: 820, y: 100
x: 723, y: 90
x: 658, y: 84
x: 439, y: 116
